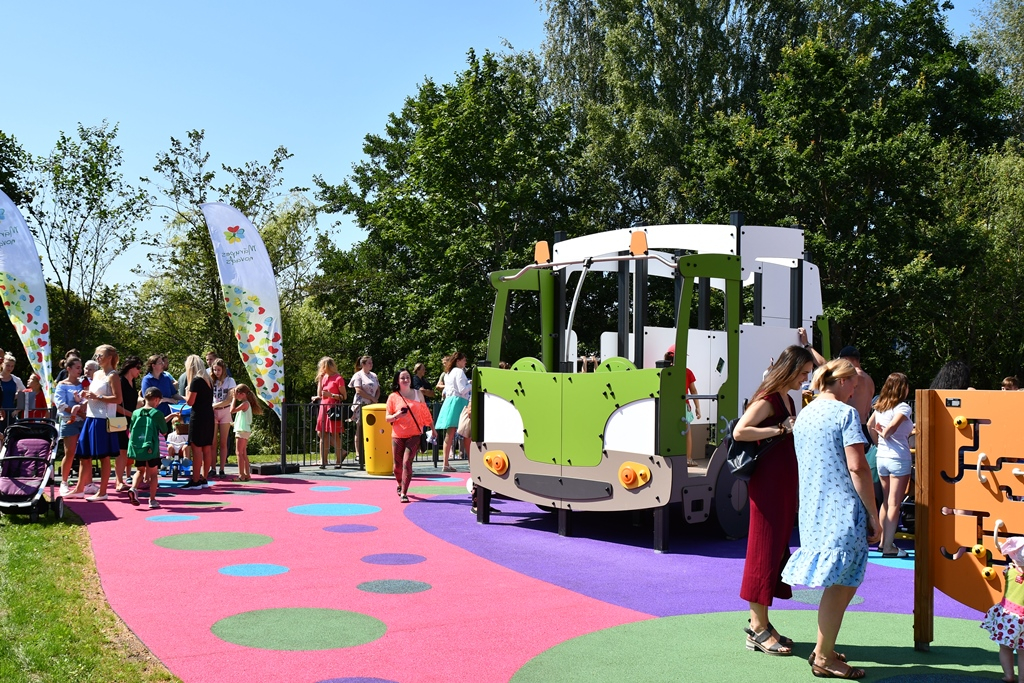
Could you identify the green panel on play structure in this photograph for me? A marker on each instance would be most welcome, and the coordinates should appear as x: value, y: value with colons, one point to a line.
x: 589, y: 399
x: 537, y: 395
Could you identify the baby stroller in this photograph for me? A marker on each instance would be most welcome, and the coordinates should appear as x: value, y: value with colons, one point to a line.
x: 178, y: 465
x: 26, y: 467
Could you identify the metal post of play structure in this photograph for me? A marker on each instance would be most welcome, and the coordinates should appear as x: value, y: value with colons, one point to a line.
x: 562, y: 364
x: 622, y: 347
x: 284, y: 440
x: 639, y: 311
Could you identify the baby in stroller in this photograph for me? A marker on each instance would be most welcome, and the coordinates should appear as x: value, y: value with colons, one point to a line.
x: 178, y: 462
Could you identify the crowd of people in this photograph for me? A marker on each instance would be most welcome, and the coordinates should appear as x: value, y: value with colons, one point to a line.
x: 104, y: 415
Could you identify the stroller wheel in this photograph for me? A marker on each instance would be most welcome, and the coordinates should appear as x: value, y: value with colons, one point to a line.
x: 58, y: 508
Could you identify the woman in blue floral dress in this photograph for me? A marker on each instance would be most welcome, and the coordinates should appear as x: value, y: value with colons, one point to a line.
x: 837, y: 509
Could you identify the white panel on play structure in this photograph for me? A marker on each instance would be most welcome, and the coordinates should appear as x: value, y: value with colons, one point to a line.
x: 656, y: 343
x: 812, y: 295
x: 703, y: 239
x: 631, y: 428
x: 573, y: 352
x: 655, y: 268
x: 759, y: 346
x: 704, y: 349
x: 503, y: 422
x: 759, y: 242
x: 775, y: 281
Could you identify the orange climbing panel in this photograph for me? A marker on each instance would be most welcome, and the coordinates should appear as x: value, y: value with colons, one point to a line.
x: 970, y: 496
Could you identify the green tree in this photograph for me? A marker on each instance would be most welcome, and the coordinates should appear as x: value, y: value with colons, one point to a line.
x: 84, y: 216
x: 14, y: 162
x: 464, y: 181
x: 1000, y: 39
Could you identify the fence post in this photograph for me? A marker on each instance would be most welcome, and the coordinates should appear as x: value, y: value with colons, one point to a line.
x: 284, y: 437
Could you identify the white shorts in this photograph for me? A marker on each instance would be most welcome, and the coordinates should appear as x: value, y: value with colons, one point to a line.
x: 891, y: 467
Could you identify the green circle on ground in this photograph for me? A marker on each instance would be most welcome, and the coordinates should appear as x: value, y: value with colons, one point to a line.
x: 393, y: 586
x: 213, y: 540
x: 438, y: 490
x: 299, y: 629
x: 679, y: 648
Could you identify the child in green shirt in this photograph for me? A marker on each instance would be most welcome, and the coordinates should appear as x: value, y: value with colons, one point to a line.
x: 144, y: 445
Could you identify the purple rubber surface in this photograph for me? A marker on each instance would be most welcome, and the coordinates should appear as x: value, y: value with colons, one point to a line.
x: 701, y: 573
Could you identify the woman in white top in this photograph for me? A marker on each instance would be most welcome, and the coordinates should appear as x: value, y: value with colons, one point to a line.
x: 456, y: 396
x: 893, y: 422
x: 365, y: 390
x: 102, y: 398
x: 223, y: 392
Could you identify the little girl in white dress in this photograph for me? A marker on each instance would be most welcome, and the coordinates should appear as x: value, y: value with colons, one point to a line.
x: 1005, y: 620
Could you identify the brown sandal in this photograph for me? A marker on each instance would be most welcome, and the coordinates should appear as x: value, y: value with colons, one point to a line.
x: 756, y: 642
x: 851, y: 672
x: 838, y: 655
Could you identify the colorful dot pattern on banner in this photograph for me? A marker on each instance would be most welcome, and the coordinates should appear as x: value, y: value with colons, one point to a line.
x: 28, y: 313
x: 259, y: 344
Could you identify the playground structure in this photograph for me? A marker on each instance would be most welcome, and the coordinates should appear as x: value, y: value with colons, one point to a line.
x: 970, y: 497
x: 615, y: 439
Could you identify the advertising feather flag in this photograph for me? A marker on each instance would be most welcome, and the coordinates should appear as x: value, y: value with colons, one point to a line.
x: 23, y: 289
x: 250, y: 295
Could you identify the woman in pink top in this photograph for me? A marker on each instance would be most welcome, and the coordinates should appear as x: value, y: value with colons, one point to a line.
x: 330, y: 389
x: 408, y: 415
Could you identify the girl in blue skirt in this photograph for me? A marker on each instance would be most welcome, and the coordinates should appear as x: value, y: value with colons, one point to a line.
x: 101, y: 401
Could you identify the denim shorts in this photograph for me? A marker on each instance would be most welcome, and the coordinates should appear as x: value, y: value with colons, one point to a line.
x: 891, y: 467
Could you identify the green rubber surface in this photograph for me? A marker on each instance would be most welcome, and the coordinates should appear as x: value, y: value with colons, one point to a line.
x: 710, y: 647
x: 299, y: 629
x: 438, y: 490
x: 213, y: 540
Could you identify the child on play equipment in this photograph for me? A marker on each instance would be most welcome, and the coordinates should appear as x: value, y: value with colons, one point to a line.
x: 1005, y: 620
x: 148, y: 424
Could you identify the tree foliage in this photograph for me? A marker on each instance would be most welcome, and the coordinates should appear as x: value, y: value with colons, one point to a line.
x: 85, y: 216
x: 464, y: 181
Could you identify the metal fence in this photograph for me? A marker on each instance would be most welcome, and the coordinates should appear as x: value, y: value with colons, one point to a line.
x: 300, y: 445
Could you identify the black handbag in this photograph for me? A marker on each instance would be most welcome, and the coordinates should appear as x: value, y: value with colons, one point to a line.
x: 742, y: 456
x: 336, y: 411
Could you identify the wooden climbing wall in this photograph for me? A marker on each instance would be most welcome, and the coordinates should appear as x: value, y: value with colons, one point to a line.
x: 970, y: 496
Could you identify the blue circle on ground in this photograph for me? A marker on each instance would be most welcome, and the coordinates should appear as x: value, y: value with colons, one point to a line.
x: 350, y: 528
x: 253, y: 570
x: 875, y: 557
x: 172, y: 518
x: 441, y: 480
x: 329, y: 488
x: 394, y: 558
x: 359, y: 679
x: 333, y: 509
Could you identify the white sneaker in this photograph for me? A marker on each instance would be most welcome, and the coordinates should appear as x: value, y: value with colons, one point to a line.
x: 74, y: 494
x: 64, y: 490
x: 91, y: 489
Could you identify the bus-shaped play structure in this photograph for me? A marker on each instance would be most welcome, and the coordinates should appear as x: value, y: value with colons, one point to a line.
x: 615, y: 439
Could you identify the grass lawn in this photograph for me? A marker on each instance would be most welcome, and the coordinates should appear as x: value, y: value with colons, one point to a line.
x: 55, y: 624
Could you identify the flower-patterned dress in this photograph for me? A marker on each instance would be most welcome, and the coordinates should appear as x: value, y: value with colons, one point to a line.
x: 833, y: 522
x: 1004, y: 621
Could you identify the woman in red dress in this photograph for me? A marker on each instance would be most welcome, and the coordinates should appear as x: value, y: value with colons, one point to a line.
x: 330, y: 388
x: 773, y: 496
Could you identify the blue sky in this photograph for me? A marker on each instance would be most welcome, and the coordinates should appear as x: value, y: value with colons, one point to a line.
x: 312, y: 75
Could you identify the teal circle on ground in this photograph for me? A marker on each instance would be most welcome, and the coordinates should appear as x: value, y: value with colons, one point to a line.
x: 393, y: 586
x: 253, y: 570
x: 213, y: 540
x: 172, y: 518
x: 325, y: 489
x: 812, y: 596
x: 679, y: 648
x: 875, y: 557
x: 299, y: 629
x: 333, y: 509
